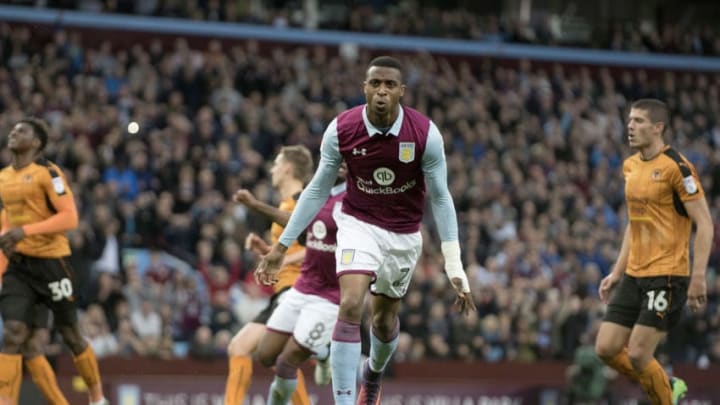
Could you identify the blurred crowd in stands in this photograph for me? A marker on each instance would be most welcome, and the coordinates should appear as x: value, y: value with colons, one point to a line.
x: 157, y: 137
x: 567, y: 27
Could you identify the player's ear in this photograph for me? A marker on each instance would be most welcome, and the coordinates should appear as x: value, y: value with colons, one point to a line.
x: 660, y: 126
x: 36, y: 143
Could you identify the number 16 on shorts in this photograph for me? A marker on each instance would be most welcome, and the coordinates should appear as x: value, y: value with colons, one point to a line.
x: 657, y: 300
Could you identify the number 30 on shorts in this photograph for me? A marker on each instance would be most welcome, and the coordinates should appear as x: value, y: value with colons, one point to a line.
x: 657, y: 301
x: 61, y: 289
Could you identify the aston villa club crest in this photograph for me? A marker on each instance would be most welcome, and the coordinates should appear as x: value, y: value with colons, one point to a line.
x: 406, y: 152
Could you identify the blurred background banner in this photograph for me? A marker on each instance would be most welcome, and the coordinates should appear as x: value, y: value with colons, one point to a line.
x: 144, y: 381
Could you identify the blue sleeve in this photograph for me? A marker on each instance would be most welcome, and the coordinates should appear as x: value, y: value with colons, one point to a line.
x: 435, y: 169
x: 318, y: 190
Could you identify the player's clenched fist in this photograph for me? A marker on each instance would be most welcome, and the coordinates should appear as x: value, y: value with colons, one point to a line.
x: 244, y: 196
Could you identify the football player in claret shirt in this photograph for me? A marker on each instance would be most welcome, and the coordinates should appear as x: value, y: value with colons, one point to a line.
x: 303, y: 322
x: 392, y: 152
x: 38, y: 208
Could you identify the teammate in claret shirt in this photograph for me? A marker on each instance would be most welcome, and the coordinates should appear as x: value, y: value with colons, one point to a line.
x: 302, y: 324
x: 391, y: 152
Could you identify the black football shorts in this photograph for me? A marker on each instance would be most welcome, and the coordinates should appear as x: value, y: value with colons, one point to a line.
x: 650, y: 301
x: 32, y: 282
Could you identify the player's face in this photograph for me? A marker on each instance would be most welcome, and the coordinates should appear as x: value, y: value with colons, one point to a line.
x: 383, y: 89
x: 279, y: 170
x: 641, y: 131
x: 22, y: 137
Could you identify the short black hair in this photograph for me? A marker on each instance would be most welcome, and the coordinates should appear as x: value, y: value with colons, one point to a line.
x: 657, y: 111
x: 388, y: 61
x: 40, y: 129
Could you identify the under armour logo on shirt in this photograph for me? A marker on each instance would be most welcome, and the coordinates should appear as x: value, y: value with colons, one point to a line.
x: 357, y: 151
x: 343, y: 392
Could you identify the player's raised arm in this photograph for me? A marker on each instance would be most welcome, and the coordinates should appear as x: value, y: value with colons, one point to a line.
x: 275, y: 214
x: 310, y: 202
x: 443, y: 208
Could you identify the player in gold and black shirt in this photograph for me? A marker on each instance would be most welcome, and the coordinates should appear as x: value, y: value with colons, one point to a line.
x: 651, y: 280
x: 292, y: 168
x: 38, y: 208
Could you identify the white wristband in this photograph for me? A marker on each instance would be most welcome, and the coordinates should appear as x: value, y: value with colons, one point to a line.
x: 453, y: 263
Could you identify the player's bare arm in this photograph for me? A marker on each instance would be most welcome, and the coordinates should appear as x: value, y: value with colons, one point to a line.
x: 256, y: 244
x: 699, y: 212
x: 246, y: 197
x: 611, y: 280
x: 65, y: 219
x: 294, y: 258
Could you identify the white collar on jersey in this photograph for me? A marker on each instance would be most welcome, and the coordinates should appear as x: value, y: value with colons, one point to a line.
x: 394, y: 129
x: 338, y: 189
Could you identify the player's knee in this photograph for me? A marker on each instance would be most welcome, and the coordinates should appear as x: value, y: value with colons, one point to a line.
x: 606, y: 351
x: 266, y: 359
x: 231, y: 347
x: 385, y: 324
x: 639, y: 357
x: 350, y: 314
x: 14, y: 336
x: 237, y: 347
x: 30, y: 352
x: 351, y: 307
x: 76, y: 346
x: 73, y: 339
x: 33, y: 347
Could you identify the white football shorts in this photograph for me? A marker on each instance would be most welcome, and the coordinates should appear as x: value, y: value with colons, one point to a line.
x: 309, y: 318
x: 366, y: 248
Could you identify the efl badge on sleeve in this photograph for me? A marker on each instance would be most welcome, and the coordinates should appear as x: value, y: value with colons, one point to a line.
x: 58, y: 185
x: 407, y: 152
x: 690, y: 186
